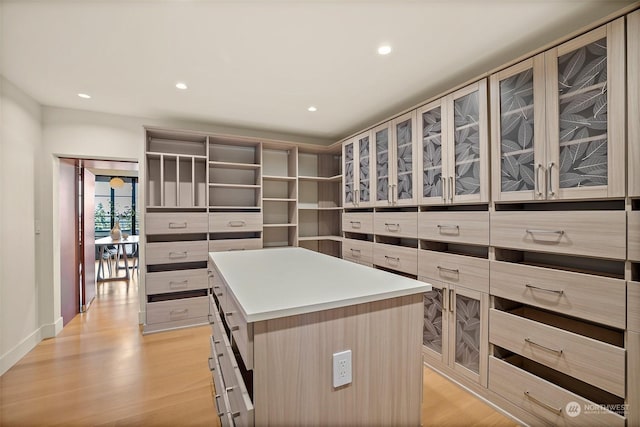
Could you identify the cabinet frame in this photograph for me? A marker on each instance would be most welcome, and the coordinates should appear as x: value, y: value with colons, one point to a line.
x: 633, y: 99
x: 390, y: 162
x: 395, y: 200
x: 437, y: 200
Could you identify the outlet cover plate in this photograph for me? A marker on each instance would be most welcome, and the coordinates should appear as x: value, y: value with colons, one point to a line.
x: 341, y: 368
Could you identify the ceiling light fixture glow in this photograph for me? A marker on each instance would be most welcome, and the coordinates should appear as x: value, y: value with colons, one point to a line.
x: 84, y: 96
x: 181, y: 85
x: 312, y: 108
x: 384, y: 49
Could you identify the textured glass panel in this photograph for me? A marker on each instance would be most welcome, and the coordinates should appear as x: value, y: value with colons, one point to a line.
x: 516, y: 129
x: 582, y: 91
x: 468, y: 332
x: 348, y: 173
x: 364, y: 158
x: 467, y: 144
x: 405, y: 160
x: 382, y: 164
x: 432, y: 330
x: 432, y: 153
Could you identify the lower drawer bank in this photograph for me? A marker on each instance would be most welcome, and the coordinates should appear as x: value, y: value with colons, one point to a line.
x: 175, y: 313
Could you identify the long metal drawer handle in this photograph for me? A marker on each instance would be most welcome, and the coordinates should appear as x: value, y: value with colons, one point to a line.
x: 178, y: 254
x: 555, y: 291
x: 543, y: 404
x: 389, y: 225
x: 444, y: 227
x: 178, y: 224
x: 183, y: 284
x: 529, y: 341
x: 236, y: 413
x: 540, y: 231
x: 216, y: 397
x: 237, y: 223
x: 184, y: 311
x: 356, y: 224
x: 397, y: 259
x: 452, y: 270
x: 451, y: 296
x: 451, y: 189
x: 211, y: 368
x: 537, y: 180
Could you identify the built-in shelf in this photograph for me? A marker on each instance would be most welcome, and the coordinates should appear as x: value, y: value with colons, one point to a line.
x: 277, y: 199
x: 221, y: 185
x: 233, y: 165
x: 154, y: 154
x: 278, y: 225
x: 278, y: 178
x: 311, y: 207
x: 335, y: 178
x: 239, y: 208
x: 311, y: 238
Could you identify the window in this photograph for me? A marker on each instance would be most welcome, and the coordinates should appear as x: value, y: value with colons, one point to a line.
x: 118, y: 204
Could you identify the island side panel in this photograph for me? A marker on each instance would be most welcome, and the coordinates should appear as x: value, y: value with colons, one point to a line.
x: 293, y: 366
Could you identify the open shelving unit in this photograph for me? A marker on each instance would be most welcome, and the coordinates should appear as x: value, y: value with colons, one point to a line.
x: 279, y: 196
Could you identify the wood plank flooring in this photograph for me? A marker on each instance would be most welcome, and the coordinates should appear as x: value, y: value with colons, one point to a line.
x: 100, y: 370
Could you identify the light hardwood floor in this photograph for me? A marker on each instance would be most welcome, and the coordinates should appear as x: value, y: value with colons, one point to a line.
x: 100, y: 370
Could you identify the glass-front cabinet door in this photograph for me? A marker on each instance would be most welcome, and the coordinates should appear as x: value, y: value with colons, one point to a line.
x: 349, y: 166
x: 468, y: 169
x: 518, y: 131
x: 436, y: 318
x: 365, y: 187
x: 404, y: 146
x: 469, y: 335
x: 586, y: 115
x: 383, y: 164
x: 432, y: 119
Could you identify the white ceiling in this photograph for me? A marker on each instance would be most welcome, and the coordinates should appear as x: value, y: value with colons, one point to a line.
x: 260, y: 64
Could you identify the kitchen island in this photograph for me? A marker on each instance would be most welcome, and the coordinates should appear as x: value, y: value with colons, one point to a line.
x: 278, y: 317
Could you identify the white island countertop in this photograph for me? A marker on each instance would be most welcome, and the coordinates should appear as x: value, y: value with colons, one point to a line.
x: 273, y: 283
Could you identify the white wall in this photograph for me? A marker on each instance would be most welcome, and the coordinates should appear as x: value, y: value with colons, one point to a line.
x: 20, y: 143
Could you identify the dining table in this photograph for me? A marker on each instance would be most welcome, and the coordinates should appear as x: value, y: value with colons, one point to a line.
x: 120, y: 244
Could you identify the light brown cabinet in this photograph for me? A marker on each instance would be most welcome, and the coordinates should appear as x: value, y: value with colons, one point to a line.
x: 359, y: 185
x: 558, y: 121
x: 633, y: 99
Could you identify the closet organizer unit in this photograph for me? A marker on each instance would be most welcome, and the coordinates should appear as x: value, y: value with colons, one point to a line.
x: 176, y: 228
x: 280, y: 195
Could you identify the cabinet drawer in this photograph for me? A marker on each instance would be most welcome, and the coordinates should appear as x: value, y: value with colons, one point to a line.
x: 218, y: 383
x: 241, y: 330
x: 235, y: 221
x: 396, y: 258
x: 633, y: 306
x: 455, y: 227
x: 176, y: 252
x: 599, y: 234
x: 357, y: 250
x: 592, y: 361
x: 178, y: 309
x: 400, y: 224
x: 470, y: 272
x: 544, y: 399
x: 633, y: 226
x: 234, y: 245
x: 595, y: 298
x: 175, y: 223
x: 176, y: 281
x: 357, y: 222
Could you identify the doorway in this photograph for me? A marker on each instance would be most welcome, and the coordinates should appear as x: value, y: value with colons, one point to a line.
x: 81, y: 223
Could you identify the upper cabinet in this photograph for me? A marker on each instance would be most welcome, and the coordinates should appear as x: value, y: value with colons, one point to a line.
x: 558, y: 121
x: 453, y: 160
x: 633, y: 97
x: 383, y: 162
x: 359, y: 186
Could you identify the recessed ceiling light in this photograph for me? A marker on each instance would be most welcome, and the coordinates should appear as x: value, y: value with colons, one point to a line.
x: 385, y: 49
x: 84, y: 95
x: 312, y: 108
x: 181, y: 85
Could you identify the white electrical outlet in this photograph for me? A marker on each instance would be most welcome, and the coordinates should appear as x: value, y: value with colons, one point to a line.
x: 341, y: 368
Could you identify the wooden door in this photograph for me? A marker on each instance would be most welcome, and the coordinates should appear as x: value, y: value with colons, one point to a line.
x: 431, y: 155
x: 404, y: 183
x: 88, y: 235
x: 468, y: 151
x: 69, y: 238
x: 435, y: 330
x: 383, y: 164
x: 585, y: 104
x: 468, y: 333
x: 518, y: 137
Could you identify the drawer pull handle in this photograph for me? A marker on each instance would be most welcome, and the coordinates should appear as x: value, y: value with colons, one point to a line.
x: 451, y: 297
x: 537, y: 180
x: 394, y: 258
x: 392, y: 227
x: 451, y: 270
x: 211, y: 366
x: 356, y: 224
x: 182, y: 312
x: 237, y: 223
x: 538, y: 231
x: 553, y: 350
x: 550, y: 171
x: 210, y: 317
x: 210, y: 273
x: 445, y: 227
x: 355, y: 252
x: 183, y: 284
x: 178, y: 254
x: 555, y: 291
x: 216, y: 397
x: 543, y: 404
x: 178, y: 224
x: 451, y: 189
x: 236, y: 249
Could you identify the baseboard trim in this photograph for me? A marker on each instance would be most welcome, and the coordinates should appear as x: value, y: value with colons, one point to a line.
x: 12, y: 356
x: 52, y: 329
x: 142, y: 317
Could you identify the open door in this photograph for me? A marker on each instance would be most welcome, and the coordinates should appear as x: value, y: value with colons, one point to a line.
x: 88, y: 241
x: 69, y: 238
